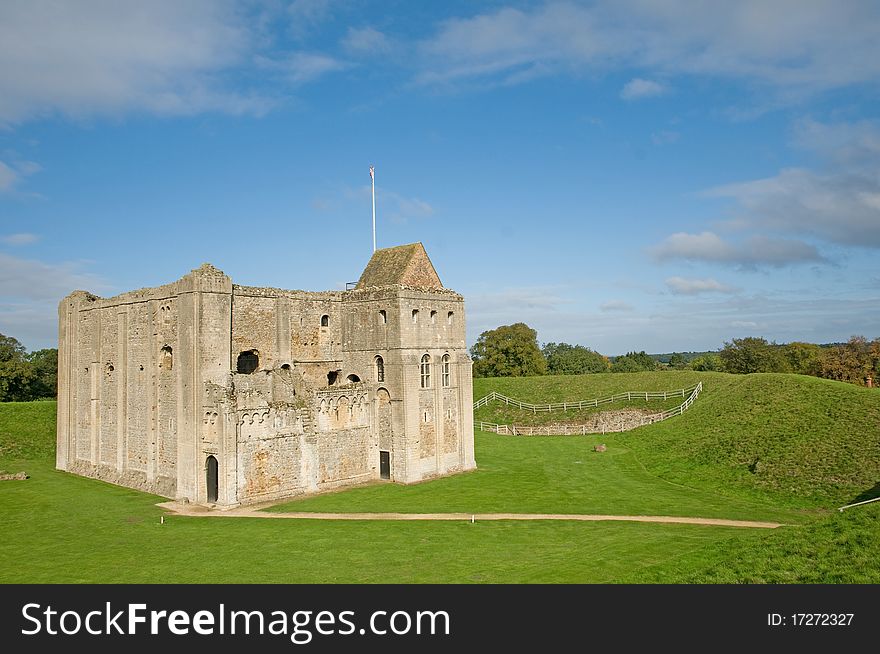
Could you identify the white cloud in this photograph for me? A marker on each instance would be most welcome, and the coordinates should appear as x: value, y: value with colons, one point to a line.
x: 755, y: 251
x: 11, y: 176
x: 615, y: 305
x: 19, y: 239
x: 749, y: 324
x: 685, y: 286
x: 367, y: 41
x: 306, y: 14
x: 36, y: 280
x: 638, y: 89
x: 796, y: 47
x: 839, y: 204
x: 300, y: 67
x: 29, y: 294
x: 390, y: 205
x: 87, y: 58
x: 8, y: 177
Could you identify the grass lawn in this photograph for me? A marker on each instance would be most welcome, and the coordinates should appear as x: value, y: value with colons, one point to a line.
x: 764, y: 447
x: 60, y: 528
x: 547, y: 474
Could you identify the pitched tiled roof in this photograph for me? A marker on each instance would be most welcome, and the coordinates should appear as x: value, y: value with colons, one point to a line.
x: 406, y: 265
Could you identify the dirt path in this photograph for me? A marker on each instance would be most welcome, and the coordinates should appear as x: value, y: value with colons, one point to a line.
x: 253, y: 512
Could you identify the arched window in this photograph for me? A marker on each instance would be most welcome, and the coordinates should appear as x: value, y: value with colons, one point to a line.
x: 415, y: 316
x: 425, y: 370
x: 166, y: 358
x: 444, y: 370
x: 433, y: 317
x: 325, y: 321
x: 247, y: 362
x: 383, y: 317
x: 449, y: 317
x: 353, y: 379
x: 380, y: 369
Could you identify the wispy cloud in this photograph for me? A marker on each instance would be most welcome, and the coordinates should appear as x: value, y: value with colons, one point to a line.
x: 791, y: 46
x: 300, y: 67
x: 12, y: 175
x: 638, y: 89
x: 664, y: 137
x: 81, y: 59
x: 23, y: 238
x: 615, y: 305
x: 29, y: 294
x: 366, y: 41
x: 754, y: 251
x: 685, y: 286
x: 840, y: 204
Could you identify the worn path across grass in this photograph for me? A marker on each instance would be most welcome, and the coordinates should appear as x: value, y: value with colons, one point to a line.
x: 251, y: 512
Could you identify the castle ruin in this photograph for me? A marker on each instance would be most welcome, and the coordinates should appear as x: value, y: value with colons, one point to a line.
x: 220, y: 394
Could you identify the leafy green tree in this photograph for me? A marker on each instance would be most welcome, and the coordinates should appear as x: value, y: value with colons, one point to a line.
x: 707, y: 362
x: 677, y: 361
x: 565, y: 359
x: 634, y: 362
x: 15, y: 381
x: 508, y: 351
x: 750, y: 354
x: 23, y: 376
x: 803, y: 358
x: 44, y: 365
x: 11, y: 349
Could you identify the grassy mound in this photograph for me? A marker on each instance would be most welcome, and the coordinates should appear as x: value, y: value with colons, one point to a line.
x: 800, y: 440
x: 843, y: 548
x: 27, y: 430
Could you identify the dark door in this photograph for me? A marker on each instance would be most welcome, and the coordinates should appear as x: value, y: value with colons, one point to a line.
x: 385, y: 465
x: 211, y: 478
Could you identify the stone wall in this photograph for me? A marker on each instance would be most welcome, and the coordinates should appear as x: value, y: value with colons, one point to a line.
x: 150, y: 394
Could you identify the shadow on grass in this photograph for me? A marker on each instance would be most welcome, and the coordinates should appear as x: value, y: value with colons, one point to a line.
x: 869, y: 494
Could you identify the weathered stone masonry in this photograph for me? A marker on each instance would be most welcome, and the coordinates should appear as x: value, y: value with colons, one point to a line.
x: 224, y: 394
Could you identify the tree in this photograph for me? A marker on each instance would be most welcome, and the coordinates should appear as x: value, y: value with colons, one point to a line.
x: 634, y: 362
x: 677, y: 361
x: 508, y: 351
x: 750, y: 354
x: 565, y: 359
x: 44, y: 365
x: 707, y: 362
x: 23, y: 376
x: 803, y: 358
x: 851, y: 361
x: 11, y: 349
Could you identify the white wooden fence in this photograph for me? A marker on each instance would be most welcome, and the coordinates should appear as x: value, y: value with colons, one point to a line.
x: 691, y: 394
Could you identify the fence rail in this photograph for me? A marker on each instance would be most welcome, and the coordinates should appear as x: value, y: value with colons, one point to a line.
x: 566, y: 430
x: 585, y: 404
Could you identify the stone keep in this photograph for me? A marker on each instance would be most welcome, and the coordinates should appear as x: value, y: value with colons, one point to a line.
x: 223, y: 394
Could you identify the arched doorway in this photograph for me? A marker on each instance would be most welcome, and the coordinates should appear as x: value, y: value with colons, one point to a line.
x: 211, y: 479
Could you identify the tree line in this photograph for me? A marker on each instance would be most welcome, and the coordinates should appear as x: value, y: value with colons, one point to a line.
x: 24, y: 375
x: 513, y: 351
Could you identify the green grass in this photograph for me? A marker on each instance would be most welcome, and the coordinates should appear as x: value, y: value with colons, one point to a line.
x: 59, y: 528
x: 27, y: 430
x: 842, y: 548
x: 794, y: 440
x: 546, y: 474
x: 815, y: 442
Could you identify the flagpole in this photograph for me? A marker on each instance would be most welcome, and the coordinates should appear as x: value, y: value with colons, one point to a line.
x: 373, y: 183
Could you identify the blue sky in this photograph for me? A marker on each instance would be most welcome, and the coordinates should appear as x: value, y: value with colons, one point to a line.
x: 623, y: 175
